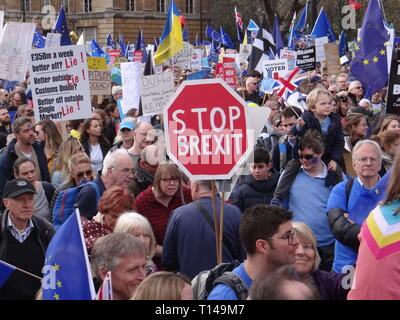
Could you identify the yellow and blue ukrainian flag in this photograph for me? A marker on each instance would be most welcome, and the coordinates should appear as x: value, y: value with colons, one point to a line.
x: 171, y: 39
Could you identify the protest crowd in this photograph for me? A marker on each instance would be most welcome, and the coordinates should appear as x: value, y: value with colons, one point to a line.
x: 94, y: 205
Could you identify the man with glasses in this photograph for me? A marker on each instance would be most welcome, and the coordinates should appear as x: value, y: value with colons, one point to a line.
x: 342, y: 81
x: 346, y: 214
x: 270, y: 242
x: 118, y: 170
x: 140, y: 140
x: 308, y: 195
x: 4, y: 94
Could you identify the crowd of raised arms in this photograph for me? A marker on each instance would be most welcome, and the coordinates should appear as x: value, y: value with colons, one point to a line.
x: 293, y: 228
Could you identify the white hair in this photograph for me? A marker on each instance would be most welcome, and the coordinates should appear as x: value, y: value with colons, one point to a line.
x: 359, y: 144
x: 115, y: 89
x: 111, y: 159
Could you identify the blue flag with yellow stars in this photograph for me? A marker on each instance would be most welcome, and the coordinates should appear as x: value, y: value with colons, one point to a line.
x: 61, y: 27
x: 66, y: 273
x: 38, y: 40
x: 369, y: 65
x: 96, y: 50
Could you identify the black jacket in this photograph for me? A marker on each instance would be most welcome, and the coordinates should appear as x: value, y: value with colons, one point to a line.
x: 342, y: 229
x: 254, y: 191
x: 44, y: 231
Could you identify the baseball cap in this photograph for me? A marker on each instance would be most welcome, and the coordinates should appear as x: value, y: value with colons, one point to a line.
x: 127, y: 124
x: 16, y: 187
x: 315, y: 79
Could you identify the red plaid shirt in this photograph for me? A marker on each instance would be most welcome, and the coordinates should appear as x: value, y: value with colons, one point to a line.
x: 156, y: 213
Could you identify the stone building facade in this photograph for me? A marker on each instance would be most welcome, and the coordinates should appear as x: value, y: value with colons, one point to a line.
x: 97, y: 18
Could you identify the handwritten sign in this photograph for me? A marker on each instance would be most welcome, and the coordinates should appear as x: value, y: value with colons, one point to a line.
x: 15, y: 43
x: 319, y: 48
x: 156, y: 91
x: 182, y: 58
x: 99, y: 76
x: 130, y: 75
x: 60, y: 83
x: 53, y: 40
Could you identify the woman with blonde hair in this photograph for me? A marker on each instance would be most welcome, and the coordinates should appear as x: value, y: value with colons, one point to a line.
x: 136, y: 224
x: 307, y: 260
x: 164, y: 285
x: 390, y: 122
x: 389, y: 141
x: 67, y: 149
x: 158, y: 201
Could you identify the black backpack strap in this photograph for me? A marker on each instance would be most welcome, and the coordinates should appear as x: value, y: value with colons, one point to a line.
x: 225, y: 241
x: 349, y: 186
x: 236, y: 283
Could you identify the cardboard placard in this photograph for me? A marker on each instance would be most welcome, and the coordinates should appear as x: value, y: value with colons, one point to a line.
x: 99, y: 76
x: 156, y: 90
x: 332, y: 58
x: 319, y: 48
x: 60, y: 83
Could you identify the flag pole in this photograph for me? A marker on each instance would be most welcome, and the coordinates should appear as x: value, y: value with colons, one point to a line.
x: 221, y: 226
x: 21, y: 270
x: 216, y: 228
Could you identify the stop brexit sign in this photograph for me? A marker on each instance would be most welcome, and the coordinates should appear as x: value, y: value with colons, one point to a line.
x: 206, y: 134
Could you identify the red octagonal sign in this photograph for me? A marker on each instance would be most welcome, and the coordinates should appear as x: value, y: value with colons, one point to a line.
x: 206, y: 134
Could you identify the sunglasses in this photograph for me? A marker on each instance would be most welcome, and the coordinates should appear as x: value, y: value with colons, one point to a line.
x: 306, y: 156
x: 84, y: 173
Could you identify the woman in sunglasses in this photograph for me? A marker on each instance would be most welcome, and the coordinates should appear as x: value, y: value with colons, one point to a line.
x: 80, y: 171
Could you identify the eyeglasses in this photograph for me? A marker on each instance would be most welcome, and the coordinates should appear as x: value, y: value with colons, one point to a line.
x: 366, y: 159
x: 126, y: 171
x: 84, y: 173
x: 289, y: 237
x: 306, y: 156
x: 169, y: 180
x: 126, y: 130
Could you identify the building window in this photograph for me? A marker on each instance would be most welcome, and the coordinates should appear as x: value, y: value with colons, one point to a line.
x: 46, y: 3
x: 130, y: 5
x: 27, y: 4
x: 161, y: 5
x: 87, y: 5
x: 189, y: 6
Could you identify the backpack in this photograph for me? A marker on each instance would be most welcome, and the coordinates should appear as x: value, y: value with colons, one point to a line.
x: 65, y: 203
x: 205, y: 281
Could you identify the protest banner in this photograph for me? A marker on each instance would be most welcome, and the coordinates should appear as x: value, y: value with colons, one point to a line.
x: 231, y: 51
x: 229, y: 73
x: 319, y: 48
x: 130, y: 75
x: 270, y: 67
x: 99, y: 76
x: 290, y: 56
x: 53, y: 40
x: 182, y: 58
x: 60, y: 83
x: 1, y: 21
x: 393, y: 95
x: 113, y: 55
x: 244, y: 52
x: 155, y: 92
x: 137, y: 56
x: 196, y: 59
x: 219, y: 71
x: 332, y: 58
x: 15, y: 43
x: 234, y: 56
x: 305, y: 48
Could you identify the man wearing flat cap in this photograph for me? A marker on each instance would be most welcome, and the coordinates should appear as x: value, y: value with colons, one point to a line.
x: 23, y: 240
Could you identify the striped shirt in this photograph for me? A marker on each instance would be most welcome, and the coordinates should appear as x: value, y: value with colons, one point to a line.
x: 20, y: 236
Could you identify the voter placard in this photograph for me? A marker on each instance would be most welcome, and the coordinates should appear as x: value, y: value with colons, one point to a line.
x: 60, y: 83
x: 270, y: 67
x: 99, y: 76
x: 156, y: 90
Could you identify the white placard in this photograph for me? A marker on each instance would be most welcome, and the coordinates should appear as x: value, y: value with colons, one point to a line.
x: 244, y: 52
x: 270, y: 67
x: 60, y: 83
x: 196, y: 59
x: 234, y: 56
x: 156, y: 91
x: 53, y: 40
x: 290, y: 56
x: 130, y: 76
x: 1, y: 21
x: 319, y: 48
x: 15, y: 43
x: 182, y: 58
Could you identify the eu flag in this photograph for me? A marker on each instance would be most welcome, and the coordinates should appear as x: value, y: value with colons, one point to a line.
x: 122, y: 45
x: 343, y: 47
x: 141, y: 45
x: 6, y: 271
x: 323, y: 28
x: 212, y: 34
x: 38, y: 40
x: 226, y: 41
x: 96, y: 50
x: 61, y: 27
x: 276, y: 33
x: 66, y: 273
x: 369, y: 65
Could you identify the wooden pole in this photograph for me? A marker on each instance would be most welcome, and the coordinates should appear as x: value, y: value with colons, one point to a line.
x: 221, y: 226
x: 216, y: 227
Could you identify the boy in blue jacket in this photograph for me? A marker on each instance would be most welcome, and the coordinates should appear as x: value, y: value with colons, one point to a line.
x: 320, y: 117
